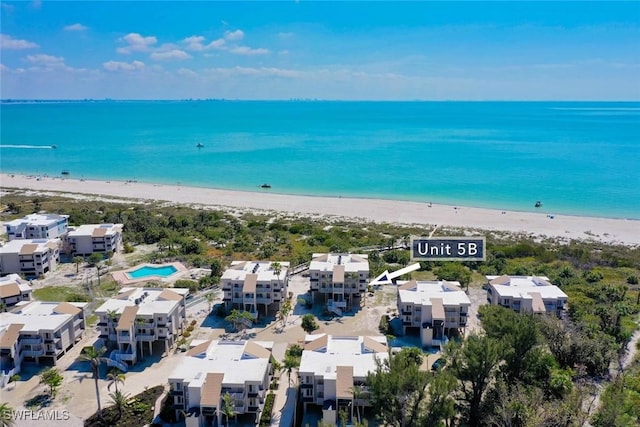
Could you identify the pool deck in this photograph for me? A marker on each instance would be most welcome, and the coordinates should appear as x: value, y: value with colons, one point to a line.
x: 123, y: 279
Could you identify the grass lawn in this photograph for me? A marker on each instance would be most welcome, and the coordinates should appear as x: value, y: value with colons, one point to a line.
x: 60, y: 293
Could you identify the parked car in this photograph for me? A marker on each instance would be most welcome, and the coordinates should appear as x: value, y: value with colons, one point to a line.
x: 438, y: 364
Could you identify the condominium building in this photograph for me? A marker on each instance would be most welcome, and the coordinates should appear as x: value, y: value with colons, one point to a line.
x: 248, y: 285
x: 438, y: 309
x: 533, y: 294
x: 13, y: 289
x: 338, y: 280
x: 333, y: 372
x: 38, y: 226
x: 39, y: 331
x: 94, y: 238
x: 210, y: 370
x: 141, y: 317
x: 30, y: 257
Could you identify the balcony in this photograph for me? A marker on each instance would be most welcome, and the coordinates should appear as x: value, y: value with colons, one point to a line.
x: 146, y: 337
x: 78, y: 322
x: 31, y: 341
x: 125, y: 338
x: 256, y: 393
x: 33, y: 353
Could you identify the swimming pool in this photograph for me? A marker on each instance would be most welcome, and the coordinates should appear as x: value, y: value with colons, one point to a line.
x: 149, y: 271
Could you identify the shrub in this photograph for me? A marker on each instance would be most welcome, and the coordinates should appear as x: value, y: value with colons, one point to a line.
x: 193, y: 323
x: 188, y: 284
x: 384, y: 325
x: 190, y: 328
x: 128, y: 249
x: 265, y: 418
x: 186, y: 334
x: 632, y: 280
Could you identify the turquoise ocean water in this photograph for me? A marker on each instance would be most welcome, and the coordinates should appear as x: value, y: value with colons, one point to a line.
x: 577, y: 158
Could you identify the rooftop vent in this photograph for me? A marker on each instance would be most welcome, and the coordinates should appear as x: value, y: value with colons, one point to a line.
x: 339, y: 259
x: 255, y: 268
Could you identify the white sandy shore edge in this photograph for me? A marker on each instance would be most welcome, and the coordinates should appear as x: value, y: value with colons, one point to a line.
x: 620, y: 231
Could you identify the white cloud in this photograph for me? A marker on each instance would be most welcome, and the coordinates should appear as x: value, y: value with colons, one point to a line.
x: 136, y: 43
x: 216, y: 44
x: 194, y: 42
x: 123, y: 66
x: 4, y: 68
x: 251, y: 71
x: 234, y: 35
x: 187, y: 72
x: 42, y: 59
x: 76, y: 27
x: 246, y: 50
x: 8, y: 42
x: 171, y: 55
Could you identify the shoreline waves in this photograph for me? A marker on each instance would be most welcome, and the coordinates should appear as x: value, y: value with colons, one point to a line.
x: 608, y: 230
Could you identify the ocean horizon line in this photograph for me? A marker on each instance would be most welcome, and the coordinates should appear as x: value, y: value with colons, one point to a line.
x: 548, y: 101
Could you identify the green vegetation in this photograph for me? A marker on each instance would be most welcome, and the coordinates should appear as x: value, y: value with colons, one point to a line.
x: 60, y: 293
x: 265, y: 417
x: 128, y: 411
x: 52, y: 378
x: 524, y: 371
x: 309, y: 323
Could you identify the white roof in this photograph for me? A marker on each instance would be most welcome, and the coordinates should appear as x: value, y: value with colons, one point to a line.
x: 14, y: 246
x: 230, y: 358
x: 36, y: 219
x: 239, y: 269
x: 423, y: 291
x: 521, y: 286
x: 88, y: 229
x: 341, y: 351
x: 148, y: 305
x: 37, y: 316
x: 15, y: 278
x: 351, y: 262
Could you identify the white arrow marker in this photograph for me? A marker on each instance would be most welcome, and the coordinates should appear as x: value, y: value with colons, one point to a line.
x: 386, y: 277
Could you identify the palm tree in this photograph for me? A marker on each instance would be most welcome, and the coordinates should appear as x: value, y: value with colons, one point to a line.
x: 210, y: 297
x: 116, y: 376
x: 277, y: 268
x: 6, y: 415
x: 120, y: 400
x: 358, y: 394
x: 6, y: 412
x: 228, y: 406
x: 77, y: 261
x: 290, y: 363
x: 94, y: 357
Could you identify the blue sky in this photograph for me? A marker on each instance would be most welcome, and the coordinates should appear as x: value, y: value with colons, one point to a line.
x: 324, y: 50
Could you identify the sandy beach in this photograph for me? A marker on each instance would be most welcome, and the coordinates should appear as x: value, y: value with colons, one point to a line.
x: 619, y: 231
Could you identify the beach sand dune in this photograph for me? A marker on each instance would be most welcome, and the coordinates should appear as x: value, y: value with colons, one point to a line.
x: 609, y: 230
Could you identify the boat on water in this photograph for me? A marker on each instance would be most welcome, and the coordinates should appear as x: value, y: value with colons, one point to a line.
x: 538, y: 204
x: 199, y: 145
x: 54, y: 146
x: 266, y: 186
x: 65, y: 172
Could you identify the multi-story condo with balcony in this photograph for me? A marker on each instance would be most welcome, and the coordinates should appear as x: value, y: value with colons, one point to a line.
x: 13, y: 289
x: 437, y: 309
x: 250, y: 285
x: 30, y: 257
x: 40, y: 332
x: 338, y: 280
x: 141, y: 317
x: 38, y: 226
x: 94, y: 238
x: 532, y: 294
x: 212, y: 369
x: 333, y: 372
